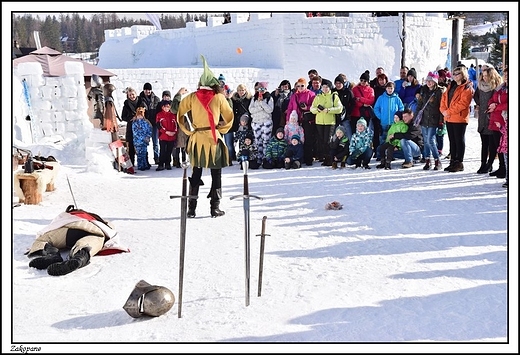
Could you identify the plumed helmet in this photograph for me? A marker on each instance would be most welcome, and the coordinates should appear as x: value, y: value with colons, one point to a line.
x: 96, y: 81
x: 148, y: 300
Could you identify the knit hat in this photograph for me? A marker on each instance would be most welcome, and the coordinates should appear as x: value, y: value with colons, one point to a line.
x: 207, y: 78
x: 293, y: 114
x: 342, y: 129
x: 362, y: 121
x: 365, y: 76
x: 400, y: 115
x: 166, y: 93
x: 434, y: 76
x: 326, y: 82
x: 412, y: 72
x: 339, y: 79
x: 147, y: 86
x: 251, y: 136
x: 263, y: 84
x: 221, y: 77
x: 280, y: 129
x: 295, y: 136
x: 244, y: 118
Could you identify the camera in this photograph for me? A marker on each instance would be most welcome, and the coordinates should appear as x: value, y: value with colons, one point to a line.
x: 321, y: 108
x: 302, y: 105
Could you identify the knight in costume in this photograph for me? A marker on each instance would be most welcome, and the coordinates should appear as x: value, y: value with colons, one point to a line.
x: 211, y: 117
x: 84, y: 233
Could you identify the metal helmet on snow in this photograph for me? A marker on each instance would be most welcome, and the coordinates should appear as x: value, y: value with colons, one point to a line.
x: 148, y: 300
x: 96, y: 81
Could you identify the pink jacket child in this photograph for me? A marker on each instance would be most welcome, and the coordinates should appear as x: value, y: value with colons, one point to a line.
x: 292, y: 127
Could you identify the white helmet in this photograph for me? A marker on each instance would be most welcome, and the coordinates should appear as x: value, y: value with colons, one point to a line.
x: 149, y: 300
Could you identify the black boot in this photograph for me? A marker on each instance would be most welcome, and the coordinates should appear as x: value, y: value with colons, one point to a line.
x: 215, y: 195
x: 80, y: 259
x: 382, y: 164
x: 192, y: 202
x: 485, y: 168
x: 50, y: 255
x: 192, y: 205
x: 499, y: 173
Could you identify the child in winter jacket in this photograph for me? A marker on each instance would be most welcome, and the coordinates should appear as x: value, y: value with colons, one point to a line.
x: 292, y: 127
x: 243, y: 130
x: 360, y: 147
x: 248, y: 151
x: 339, y: 147
x: 294, y: 153
x: 142, y: 132
x: 386, y: 149
x: 167, y: 125
x: 275, y: 151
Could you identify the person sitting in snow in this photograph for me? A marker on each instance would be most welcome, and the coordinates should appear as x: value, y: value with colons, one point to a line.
x: 275, y: 151
x: 294, y: 153
x: 84, y: 233
x: 339, y: 147
x: 248, y: 151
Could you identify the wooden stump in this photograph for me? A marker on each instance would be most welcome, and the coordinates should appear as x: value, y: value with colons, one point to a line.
x: 29, y: 187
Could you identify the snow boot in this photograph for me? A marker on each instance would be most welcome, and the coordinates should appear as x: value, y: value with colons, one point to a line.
x: 382, y: 164
x: 438, y: 165
x: 334, y: 165
x: 215, y: 195
x: 427, y: 164
x: 80, y: 259
x: 50, y: 255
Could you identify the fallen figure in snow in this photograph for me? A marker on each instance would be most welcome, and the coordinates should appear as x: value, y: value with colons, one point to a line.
x: 84, y: 233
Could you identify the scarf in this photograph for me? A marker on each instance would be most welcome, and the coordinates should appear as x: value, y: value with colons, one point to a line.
x: 484, y: 87
x: 205, y: 96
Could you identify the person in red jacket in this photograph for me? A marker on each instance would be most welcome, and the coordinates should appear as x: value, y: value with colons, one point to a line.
x: 363, y: 98
x: 455, y: 102
x: 496, y: 105
x: 167, y: 125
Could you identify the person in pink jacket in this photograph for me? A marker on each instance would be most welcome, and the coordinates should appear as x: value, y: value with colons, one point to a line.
x: 497, y: 104
x: 301, y: 102
x: 455, y: 102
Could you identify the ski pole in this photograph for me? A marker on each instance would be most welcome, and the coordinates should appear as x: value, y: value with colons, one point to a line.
x: 261, y: 266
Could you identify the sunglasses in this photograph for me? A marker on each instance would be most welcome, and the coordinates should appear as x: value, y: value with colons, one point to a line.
x: 362, y: 81
x: 300, y: 86
x: 459, y: 73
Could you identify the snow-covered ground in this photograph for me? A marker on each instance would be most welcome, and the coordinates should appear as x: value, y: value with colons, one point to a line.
x: 416, y: 261
x: 416, y: 257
